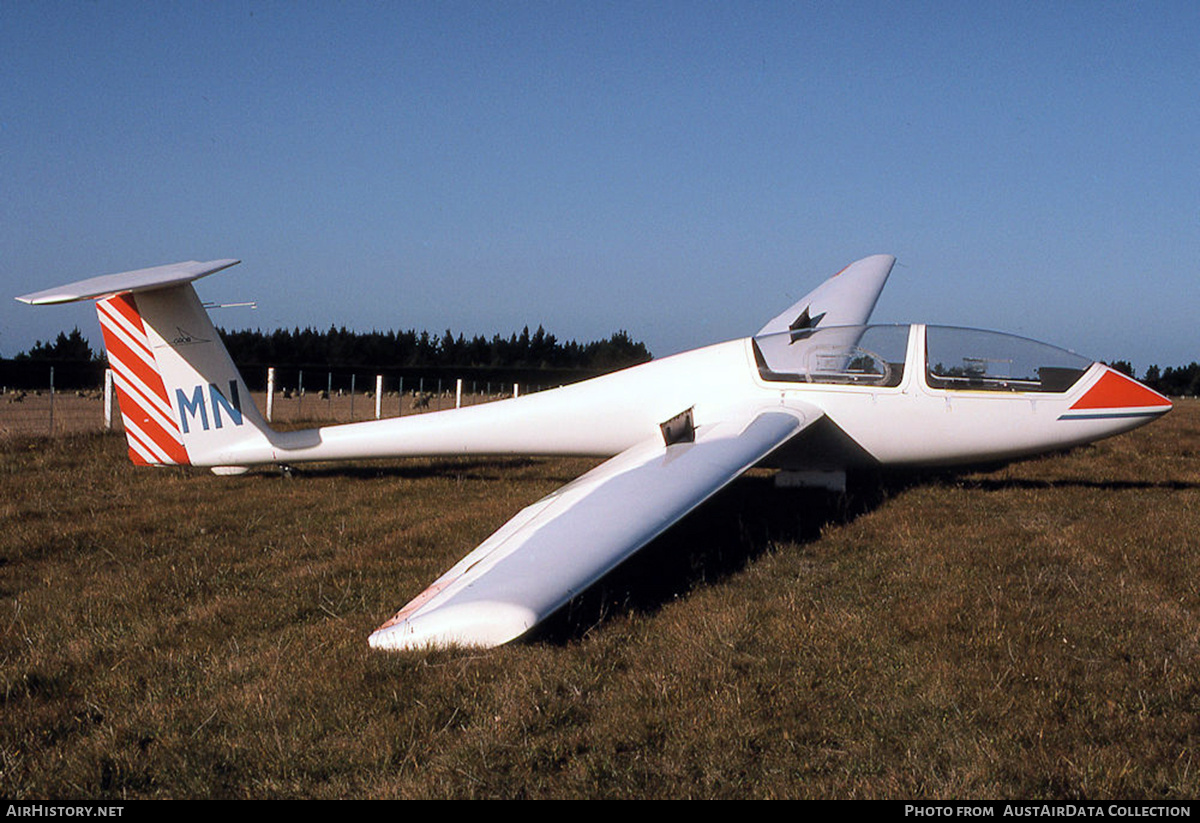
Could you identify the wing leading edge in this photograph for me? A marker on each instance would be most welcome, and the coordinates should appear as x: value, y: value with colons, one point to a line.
x: 557, y: 547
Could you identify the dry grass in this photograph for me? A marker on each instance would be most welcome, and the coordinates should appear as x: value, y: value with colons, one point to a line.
x: 1026, y: 632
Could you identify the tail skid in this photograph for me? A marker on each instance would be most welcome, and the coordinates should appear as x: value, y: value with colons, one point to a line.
x: 182, y: 399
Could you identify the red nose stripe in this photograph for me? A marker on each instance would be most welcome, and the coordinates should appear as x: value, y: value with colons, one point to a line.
x: 1116, y: 391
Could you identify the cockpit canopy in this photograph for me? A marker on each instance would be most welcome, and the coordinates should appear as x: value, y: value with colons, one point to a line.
x: 955, y: 359
x: 855, y: 355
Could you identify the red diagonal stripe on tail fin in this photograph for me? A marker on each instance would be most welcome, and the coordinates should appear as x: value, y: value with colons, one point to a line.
x: 153, y: 435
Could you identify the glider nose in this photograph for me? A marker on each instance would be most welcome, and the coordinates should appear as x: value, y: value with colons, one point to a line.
x: 1118, y: 397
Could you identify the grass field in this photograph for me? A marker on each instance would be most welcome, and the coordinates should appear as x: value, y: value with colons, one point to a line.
x: 1031, y: 631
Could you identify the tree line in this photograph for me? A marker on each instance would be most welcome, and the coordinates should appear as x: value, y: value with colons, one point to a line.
x: 1174, y: 381
x: 341, y: 348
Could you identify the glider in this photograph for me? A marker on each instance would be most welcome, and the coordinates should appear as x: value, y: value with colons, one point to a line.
x: 814, y: 393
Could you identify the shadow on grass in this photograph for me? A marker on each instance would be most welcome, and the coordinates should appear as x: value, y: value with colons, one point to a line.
x: 743, y: 522
x: 993, y: 485
x: 485, y: 468
x: 722, y: 537
x: 718, y: 540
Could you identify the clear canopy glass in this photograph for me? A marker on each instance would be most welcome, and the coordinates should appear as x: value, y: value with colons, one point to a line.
x: 970, y: 359
x: 856, y: 355
x: 956, y: 359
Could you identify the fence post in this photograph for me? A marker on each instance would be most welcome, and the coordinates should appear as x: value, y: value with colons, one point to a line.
x: 352, y: 376
x: 458, y: 393
x: 516, y: 389
x: 400, y: 393
x: 108, y: 399
x: 378, y: 396
x: 270, y: 392
x: 300, y: 395
x: 52, y: 400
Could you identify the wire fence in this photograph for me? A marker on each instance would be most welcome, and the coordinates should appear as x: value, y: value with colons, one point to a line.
x: 309, y: 400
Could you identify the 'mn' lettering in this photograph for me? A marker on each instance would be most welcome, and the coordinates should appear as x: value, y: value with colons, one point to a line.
x: 195, y: 406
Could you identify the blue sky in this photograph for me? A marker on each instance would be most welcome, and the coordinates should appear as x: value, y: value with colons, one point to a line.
x: 680, y: 170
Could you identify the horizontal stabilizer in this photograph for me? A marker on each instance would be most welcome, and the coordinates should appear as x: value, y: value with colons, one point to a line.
x: 106, y: 285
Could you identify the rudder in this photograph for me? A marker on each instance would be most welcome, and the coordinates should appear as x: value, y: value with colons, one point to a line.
x: 151, y: 426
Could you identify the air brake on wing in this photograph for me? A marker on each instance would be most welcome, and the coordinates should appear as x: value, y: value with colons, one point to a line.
x: 679, y: 429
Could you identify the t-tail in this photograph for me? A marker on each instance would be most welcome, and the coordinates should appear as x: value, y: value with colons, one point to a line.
x: 182, y: 400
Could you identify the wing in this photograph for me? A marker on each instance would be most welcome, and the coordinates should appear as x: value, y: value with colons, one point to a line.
x: 846, y: 299
x: 557, y: 547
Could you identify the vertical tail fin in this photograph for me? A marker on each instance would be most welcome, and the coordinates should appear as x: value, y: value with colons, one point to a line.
x: 182, y: 399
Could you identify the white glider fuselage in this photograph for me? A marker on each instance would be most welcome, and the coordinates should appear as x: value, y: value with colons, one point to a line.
x: 594, y: 418
x: 907, y: 424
